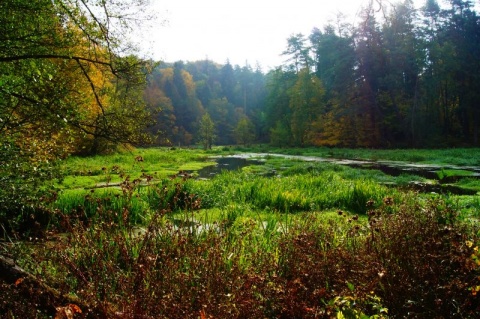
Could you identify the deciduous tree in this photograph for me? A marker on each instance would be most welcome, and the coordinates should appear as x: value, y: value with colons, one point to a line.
x: 206, y: 131
x: 244, y: 131
x: 66, y: 77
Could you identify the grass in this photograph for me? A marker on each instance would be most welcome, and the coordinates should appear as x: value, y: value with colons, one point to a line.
x: 81, y: 172
x: 316, y: 240
x: 288, y: 266
x: 454, y: 156
x: 470, y: 183
x: 291, y: 193
x: 445, y: 174
x: 296, y: 186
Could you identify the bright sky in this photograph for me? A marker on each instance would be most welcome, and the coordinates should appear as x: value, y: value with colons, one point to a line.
x: 239, y: 30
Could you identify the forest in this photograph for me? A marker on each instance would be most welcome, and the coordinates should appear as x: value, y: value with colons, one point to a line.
x: 399, y: 78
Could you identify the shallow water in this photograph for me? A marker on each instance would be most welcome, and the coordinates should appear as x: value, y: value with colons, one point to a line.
x: 392, y: 168
x: 229, y: 163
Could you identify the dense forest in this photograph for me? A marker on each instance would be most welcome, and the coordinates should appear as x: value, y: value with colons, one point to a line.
x: 398, y: 77
x: 72, y: 83
x: 401, y: 77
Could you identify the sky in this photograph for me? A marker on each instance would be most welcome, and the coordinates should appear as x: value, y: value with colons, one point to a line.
x: 240, y: 31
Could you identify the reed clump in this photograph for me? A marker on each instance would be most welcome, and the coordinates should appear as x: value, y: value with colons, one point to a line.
x: 292, y: 193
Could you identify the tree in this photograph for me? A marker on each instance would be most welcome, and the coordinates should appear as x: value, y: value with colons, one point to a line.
x: 450, y: 79
x: 298, y: 52
x: 62, y: 59
x: 244, y: 131
x: 222, y: 114
x: 66, y: 77
x: 307, y: 104
x: 207, y: 131
x: 334, y: 61
x: 277, y: 110
x: 402, y: 51
x: 250, y: 95
x: 228, y: 82
x: 462, y: 31
x: 178, y: 86
x: 370, y: 71
x: 280, y: 134
x: 162, y: 107
x: 336, y: 70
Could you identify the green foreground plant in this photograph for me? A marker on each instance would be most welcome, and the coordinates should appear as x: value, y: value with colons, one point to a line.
x: 402, y: 258
x: 316, y: 241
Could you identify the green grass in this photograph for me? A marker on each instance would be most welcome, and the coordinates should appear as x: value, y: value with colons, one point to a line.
x: 253, y: 194
x: 296, y: 186
x: 314, y: 237
x: 454, y: 156
x: 470, y: 183
x: 87, y: 172
x: 446, y: 173
x: 297, y: 189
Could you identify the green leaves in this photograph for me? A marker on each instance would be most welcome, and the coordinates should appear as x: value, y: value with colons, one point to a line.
x: 207, y: 131
x: 56, y: 91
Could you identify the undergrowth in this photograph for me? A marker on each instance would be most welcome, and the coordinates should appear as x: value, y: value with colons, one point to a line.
x: 312, y: 242
x: 401, y: 260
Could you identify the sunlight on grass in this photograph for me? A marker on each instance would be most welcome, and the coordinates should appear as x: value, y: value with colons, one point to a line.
x: 246, y: 241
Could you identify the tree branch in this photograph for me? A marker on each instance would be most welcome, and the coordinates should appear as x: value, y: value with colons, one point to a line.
x: 52, y: 56
x: 12, y: 273
x: 92, y: 85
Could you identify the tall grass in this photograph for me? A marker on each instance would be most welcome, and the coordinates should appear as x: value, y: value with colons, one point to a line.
x: 322, y: 190
x: 414, y: 262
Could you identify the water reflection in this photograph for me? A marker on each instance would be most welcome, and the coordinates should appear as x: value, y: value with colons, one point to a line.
x: 228, y: 164
x: 428, y: 171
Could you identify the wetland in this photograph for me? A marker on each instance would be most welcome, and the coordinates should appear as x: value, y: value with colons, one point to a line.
x: 256, y: 233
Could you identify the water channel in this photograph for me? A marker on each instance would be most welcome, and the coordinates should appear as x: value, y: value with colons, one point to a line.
x: 392, y: 168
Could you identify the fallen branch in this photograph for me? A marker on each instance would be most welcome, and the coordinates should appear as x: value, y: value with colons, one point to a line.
x: 51, y: 300
x: 9, y: 271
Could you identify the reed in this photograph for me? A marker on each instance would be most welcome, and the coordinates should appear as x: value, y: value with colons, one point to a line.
x: 291, y: 193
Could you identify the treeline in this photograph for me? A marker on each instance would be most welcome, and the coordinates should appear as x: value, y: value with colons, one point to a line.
x: 402, y: 77
x: 399, y: 77
x: 233, y: 97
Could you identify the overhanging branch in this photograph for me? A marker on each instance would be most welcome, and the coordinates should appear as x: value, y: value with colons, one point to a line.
x: 52, y: 56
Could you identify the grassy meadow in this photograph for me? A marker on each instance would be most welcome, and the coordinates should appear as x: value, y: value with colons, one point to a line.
x: 138, y: 235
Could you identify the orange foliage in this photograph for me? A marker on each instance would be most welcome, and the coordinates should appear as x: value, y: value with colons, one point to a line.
x: 67, y: 312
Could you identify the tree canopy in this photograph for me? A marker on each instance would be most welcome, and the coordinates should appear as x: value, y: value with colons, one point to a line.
x: 65, y: 70
x: 69, y: 83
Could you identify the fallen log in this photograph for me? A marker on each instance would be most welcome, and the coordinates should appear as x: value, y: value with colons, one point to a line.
x: 47, y: 299
x: 10, y: 271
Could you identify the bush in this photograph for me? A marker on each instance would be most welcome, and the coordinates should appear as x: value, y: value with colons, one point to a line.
x: 23, y: 190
